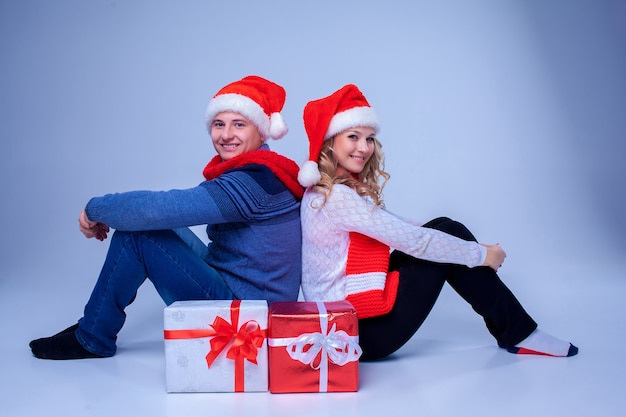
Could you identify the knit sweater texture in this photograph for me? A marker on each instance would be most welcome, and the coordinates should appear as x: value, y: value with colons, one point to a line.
x: 253, y: 226
x: 338, y: 262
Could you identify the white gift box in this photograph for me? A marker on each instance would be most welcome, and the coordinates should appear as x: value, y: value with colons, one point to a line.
x: 216, y: 346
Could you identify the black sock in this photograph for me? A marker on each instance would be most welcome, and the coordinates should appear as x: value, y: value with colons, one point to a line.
x: 61, y: 346
x: 37, y: 342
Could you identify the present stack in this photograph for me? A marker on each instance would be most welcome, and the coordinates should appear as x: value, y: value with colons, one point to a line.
x: 241, y: 346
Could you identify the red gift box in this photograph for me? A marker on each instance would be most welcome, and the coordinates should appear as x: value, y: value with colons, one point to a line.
x: 313, y: 347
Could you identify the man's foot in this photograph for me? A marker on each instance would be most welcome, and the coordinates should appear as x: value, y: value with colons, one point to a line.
x: 37, y: 342
x: 61, y: 346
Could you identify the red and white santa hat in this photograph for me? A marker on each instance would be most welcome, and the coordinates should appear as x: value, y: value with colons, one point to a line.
x: 256, y: 98
x: 325, y: 117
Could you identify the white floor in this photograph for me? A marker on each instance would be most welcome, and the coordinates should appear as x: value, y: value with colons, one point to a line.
x: 450, y: 368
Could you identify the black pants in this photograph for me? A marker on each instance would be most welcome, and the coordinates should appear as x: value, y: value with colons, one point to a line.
x: 420, y: 285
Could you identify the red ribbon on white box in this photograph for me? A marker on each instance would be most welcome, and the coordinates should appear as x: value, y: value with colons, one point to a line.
x: 337, y: 346
x: 244, y: 342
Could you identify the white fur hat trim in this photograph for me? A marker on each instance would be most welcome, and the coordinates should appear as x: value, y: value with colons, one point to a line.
x: 239, y: 104
x: 356, y: 116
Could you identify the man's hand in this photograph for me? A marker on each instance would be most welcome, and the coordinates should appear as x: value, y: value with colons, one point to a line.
x: 92, y: 229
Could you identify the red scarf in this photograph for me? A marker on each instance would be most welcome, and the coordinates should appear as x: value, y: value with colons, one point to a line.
x: 284, y: 168
x: 369, y: 257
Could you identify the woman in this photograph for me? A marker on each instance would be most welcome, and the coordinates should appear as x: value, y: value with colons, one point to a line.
x: 249, y: 197
x: 347, y: 234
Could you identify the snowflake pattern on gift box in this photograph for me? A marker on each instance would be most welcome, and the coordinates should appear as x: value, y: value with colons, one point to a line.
x: 183, y: 361
x: 178, y: 316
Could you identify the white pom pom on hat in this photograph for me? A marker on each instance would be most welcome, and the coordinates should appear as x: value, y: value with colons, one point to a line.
x: 278, y: 127
x: 328, y: 116
x: 309, y: 174
x: 256, y: 98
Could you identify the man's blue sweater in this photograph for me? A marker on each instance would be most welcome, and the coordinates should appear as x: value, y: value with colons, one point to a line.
x: 253, y: 224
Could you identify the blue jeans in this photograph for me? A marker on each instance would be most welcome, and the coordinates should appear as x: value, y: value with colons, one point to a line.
x: 171, y: 259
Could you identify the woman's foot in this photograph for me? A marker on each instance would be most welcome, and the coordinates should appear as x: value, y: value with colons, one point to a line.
x: 61, y: 346
x: 541, y: 343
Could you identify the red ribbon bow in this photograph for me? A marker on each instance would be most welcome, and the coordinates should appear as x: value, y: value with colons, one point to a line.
x: 246, y: 341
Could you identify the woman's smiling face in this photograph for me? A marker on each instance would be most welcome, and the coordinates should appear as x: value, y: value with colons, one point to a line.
x: 353, y: 147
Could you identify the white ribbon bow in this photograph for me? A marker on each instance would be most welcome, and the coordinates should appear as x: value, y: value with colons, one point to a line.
x: 336, y: 346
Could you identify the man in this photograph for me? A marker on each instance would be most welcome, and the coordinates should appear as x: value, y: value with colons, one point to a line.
x: 250, y: 202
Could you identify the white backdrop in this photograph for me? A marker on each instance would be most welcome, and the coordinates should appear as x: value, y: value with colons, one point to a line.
x: 506, y: 115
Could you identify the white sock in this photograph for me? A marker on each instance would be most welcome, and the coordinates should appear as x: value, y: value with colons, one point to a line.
x: 542, y: 343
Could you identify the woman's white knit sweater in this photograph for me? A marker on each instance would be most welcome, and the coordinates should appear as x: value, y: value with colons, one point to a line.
x: 326, y: 240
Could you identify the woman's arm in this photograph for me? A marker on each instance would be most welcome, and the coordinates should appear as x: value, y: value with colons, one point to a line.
x: 495, y: 256
x: 346, y: 210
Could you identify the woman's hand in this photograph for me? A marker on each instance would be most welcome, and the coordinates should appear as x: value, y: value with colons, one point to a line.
x: 495, y: 256
x: 92, y: 229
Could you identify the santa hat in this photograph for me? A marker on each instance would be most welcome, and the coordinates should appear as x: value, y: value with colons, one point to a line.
x: 256, y: 98
x: 328, y: 116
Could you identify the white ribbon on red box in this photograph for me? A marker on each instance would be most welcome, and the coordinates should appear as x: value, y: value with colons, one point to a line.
x: 337, y: 346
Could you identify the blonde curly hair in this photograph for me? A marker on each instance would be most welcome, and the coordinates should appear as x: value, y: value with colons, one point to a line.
x: 370, y: 181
